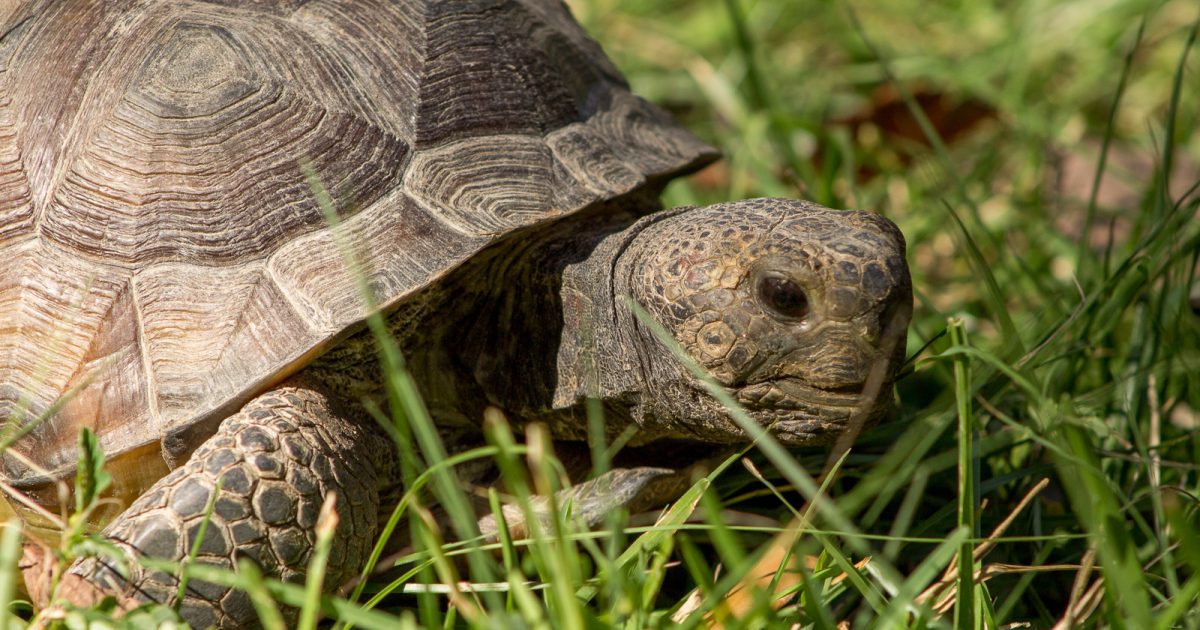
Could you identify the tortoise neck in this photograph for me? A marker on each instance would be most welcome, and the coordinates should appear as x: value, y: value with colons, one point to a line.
x: 547, y: 337
x: 606, y: 353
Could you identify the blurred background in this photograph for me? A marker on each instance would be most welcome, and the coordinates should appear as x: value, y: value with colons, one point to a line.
x: 808, y: 99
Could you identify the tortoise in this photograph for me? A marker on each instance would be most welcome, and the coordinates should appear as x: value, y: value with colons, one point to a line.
x: 172, y: 282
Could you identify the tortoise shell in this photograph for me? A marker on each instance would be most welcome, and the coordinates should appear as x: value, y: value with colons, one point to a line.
x: 164, y: 254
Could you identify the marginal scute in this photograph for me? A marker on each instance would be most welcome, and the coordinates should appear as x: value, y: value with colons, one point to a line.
x: 208, y: 330
x: 68, y: 331
x: 12, y: 295
x: 109, y: 390
x: 624, y: 144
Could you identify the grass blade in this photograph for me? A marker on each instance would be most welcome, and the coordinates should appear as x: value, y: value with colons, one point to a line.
x: 964, y: 607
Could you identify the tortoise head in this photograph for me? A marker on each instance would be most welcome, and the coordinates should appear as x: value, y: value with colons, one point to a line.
x: 797, y: 311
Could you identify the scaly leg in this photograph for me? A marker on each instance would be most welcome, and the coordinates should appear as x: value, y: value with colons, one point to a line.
x: 276, y: 460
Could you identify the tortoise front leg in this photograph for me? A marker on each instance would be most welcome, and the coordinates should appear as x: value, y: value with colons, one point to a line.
x: 277, y: 460
x: 591, y: 502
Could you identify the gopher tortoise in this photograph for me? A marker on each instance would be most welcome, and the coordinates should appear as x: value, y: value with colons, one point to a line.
x: 170, y: 280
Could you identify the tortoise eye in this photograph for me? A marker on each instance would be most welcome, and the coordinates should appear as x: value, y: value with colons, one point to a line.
x: 783, y: 296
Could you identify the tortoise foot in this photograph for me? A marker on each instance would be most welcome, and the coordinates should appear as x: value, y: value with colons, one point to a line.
x: 274, y: 463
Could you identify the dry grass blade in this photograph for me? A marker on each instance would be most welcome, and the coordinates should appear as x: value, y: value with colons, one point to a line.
x: 987, y: 572
x: 1080, y: 596
x: 692, y: 603
x: 327, y: 522
x: 1080, y: 610
x: 990, y: 542
x: 941, y: 593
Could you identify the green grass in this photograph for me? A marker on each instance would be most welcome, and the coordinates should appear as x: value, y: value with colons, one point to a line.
x: 1056, y: 394
x: 1076, y: 384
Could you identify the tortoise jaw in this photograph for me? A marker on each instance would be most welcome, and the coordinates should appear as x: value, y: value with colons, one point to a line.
x: 797, y: 413
x: 794, y: 394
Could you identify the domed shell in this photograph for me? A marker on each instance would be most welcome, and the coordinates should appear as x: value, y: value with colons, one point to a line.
x: 164, y: 254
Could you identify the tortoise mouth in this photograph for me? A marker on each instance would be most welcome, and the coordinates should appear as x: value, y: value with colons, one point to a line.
x: 794, y: 394
x: 798, y: 413
x: 795, y: 412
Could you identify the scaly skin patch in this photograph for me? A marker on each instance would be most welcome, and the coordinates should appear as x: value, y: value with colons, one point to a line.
x: 276, y: 460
